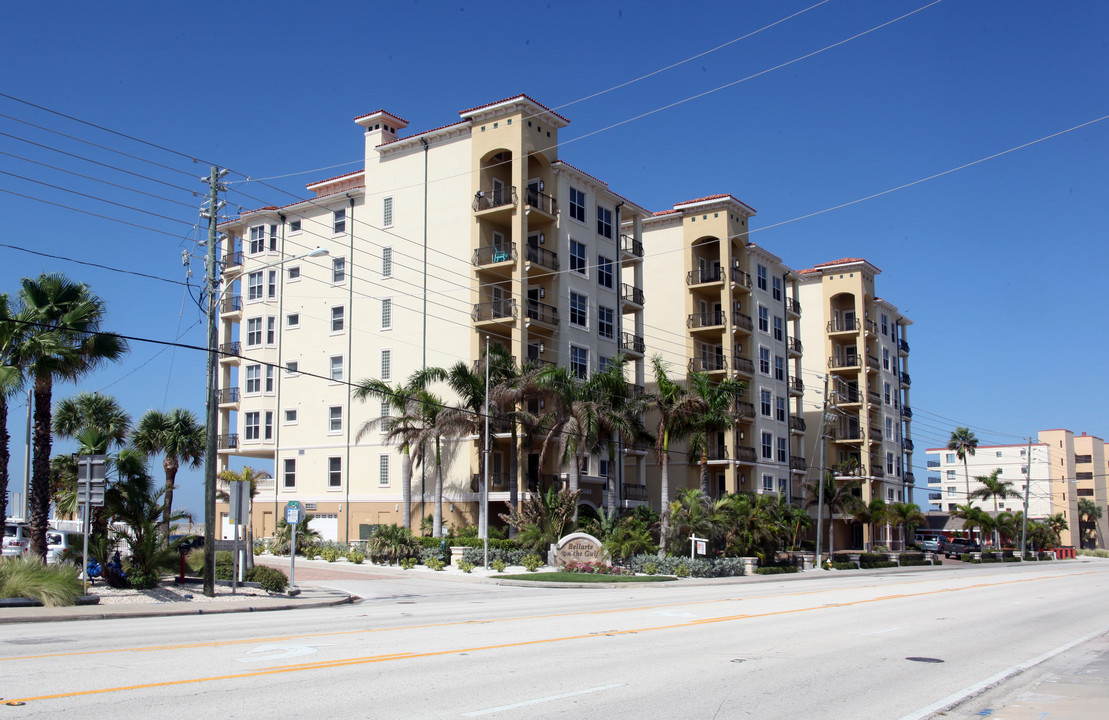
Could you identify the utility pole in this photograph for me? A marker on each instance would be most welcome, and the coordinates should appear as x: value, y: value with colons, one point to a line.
x: 211, y: 281
x: 820, y: 476
x: 1027, y: 486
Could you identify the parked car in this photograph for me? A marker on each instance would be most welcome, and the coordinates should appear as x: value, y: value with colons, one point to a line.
x: 17, y: 539
x: 928, y: 543
x: 958, y: 546
x: 62, y: 546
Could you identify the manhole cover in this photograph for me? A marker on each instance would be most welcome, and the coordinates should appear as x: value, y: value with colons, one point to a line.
x: 924, y: 659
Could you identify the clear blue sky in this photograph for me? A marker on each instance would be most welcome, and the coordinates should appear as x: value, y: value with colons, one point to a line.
x: 991, y: 262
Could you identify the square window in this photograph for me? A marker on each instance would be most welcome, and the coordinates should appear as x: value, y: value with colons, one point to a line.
x: 386, y: 313
x: 250, y: 426
x: 339, y: 221
x: 768, y: 483
x: 336, y: 368
x: 604, y: 272
x: 579, y: 310
x: 383, y: 470
x: 951, y: 457
x: 289, y: 476
x: 291, y: 416
x: 337, y: 318
x: 334, y: 472
x: 254, y: 286
x: 386, y: 365
x: 761, y: 273
x: 294, y: 273
x: 604, y: 222
x: 294, y: 226
x: 292, y: 367
x: 338, y: 270
x: 253, y: 332
x: 335, y: 419
x: 292, y: 320
x: 950, y: 474
x: 579, y: 362
x: 605, y: 326
x: 577, y: 204
x: 386, y: 262
x: 253, y: 379
x: 387, y: 212
x: 577, y: 257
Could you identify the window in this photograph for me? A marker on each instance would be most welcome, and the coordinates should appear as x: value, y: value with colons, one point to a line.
x: 273, y: 238
x: 337, y: 316
x: 777, y: 285
x: 604, y: 363
x: 783, y: 450
x: 339, y: 221
x: 889, y: 495
x: 780, y: 409
x: 267, y: 429
x: 577, y: 257
x: 291, y: 416
x: 579, y: 362
x: 289, y: 476
x: 767, y: 446
x: 885, y: 359
x: 768, y: 483
x: 294, y: 273
x: 577, y: 204
x: 294, y: 226
x: 761, y: 273
x: 764, y: 403
x: 292, y: 367
x: 269, y: 379
x: 886, y: 392
x: 338, y: 270
x: 605, y: 326
x: 889, y: 463
x: 271, y: 330
x: 604, y: 222
x: 386, y: 262
x: 271, y: 284
x: 253, y: 332
x: 250, y: 426
x: 334, y: 472
x: 254, y: 286
x: 383, y: 470
x: 764, y: 360
x: 764, y: 319
x: 292, y: 320
x: 779, y: 368
x: 387, y: 314
x: 579, y: 307
x: 253, y: 379
x: 336, y: 369
x: 951, y: 490
x: 779, y: 329
x: 386, y: 364
x: 889, y: 428
x: 951, y: 457
x: 386, y: 410
x: 950, y: 474
x: 335, y: 419
x: 885, y: 324
x: 1023, y: 469
x: 604, y: 271
x: 387, y: 212
x: 257, y: 239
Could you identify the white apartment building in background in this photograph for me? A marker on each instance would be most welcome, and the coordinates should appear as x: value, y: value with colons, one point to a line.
x: 947, y: 480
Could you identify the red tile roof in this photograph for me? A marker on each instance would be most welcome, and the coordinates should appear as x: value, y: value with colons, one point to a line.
x: 337, y: 177
x: 382, y: 112
x: 514, y: 97
x: 406, y: 138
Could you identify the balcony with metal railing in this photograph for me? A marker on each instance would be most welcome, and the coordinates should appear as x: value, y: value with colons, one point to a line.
x: 798, y: 464
x: 635, y: 493
x: 743, y: 365
x: 716, y: 453
x: 910, y: 479
x: 843, y: 326
x: 542, y: 313
x: 906, y: 412
x: 537, y: 356
x: 746, y: 454
x: 227, y: 396
x: 632, y: 343
x: 631, y: 246
x: 843, y: 362
x: 709, y: 364
x: 631, y: 295
x: 875, y: 434
x: 902, y: 347
x: 228, y: 442
x: 542, y: 483
x: 796, y: 387
x: 230, y: 351
x: 871, y: 327
x: 743, y: 322
x: 497, y: 198
x: 872, y: 363
x: 233, y: 263
x: 905, y: 379
x: 497, y: 311
x: 873, y: 397
x: 908, y: 444
x: 231, y: 304
x: 744, y: 410
x: 796, y: 423
x: 703, y: 276
x: 706, y: 320
x: 741, y: 278
x: 793, y: 308
x: 794, y: 346
x: 494, y: 254
x: 542, y: 258
x: 541, y: 201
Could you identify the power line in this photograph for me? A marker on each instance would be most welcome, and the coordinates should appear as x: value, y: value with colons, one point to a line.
x: 92, y: 264
x: 87, y: 212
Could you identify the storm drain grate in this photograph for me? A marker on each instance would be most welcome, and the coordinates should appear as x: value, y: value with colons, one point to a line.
x: 924, y: 659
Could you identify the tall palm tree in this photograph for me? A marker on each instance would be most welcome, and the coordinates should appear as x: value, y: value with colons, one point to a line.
x: 963, y: 443
x: 1089, y: 513
x: 839, y: 498
x: 402, y: 424
x: 91, y: 410
x: 62, y: 342
x: 872, y: 514
x: 181, y: 437
x: 718, y: 413
x: 693, y: 513
x: 906, y: 517
x: 510, y: 396
x: 750, y: 524
x: 994, y: 487
x: 434, y: 427
x: 677, y: 409
x: 11, y: 382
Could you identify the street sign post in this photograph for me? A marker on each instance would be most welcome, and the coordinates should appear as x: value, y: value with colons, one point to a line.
x: 239, y: 493
x: 292, y: 518
x: 90, y: 494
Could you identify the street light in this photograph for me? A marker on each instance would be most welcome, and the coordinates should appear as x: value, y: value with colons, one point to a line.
x: 212, y: 406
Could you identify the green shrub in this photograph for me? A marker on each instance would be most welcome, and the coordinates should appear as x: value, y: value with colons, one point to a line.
x: 776, y: 570
x: 465, y: 566
x: 330, y: 553
x: 682, y: 571
x: 700, y: 567
x: 52, y: 585
x: 271, y: 579
x: 390, y: 543
x: 353, y: 556
x: 879, y: 564
x: 434, y: 563
x: 650, y: 568
x: 844, y: 566
x: 531, y: 562
x: 498, y: 565
x: 194, y: 561
x: 143, y: 579
x: 476, y: 555
x: 408, y: 563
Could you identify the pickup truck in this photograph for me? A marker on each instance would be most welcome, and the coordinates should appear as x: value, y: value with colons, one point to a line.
x: 958, y: 546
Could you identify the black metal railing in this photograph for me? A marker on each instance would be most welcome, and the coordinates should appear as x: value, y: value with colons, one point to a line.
x: 794, y: 345
x: 542, y: 483
x: 743, y: 321
x: 228, y: 442
x: 873, y: 397
x: 745, y: 454
x: 906, y: 411
x: 872, y: 327
x: 744, y: 409
x: 716, y: 452
x: 631, y: 245
x: 796, y: 386
x: 703, y: 275
x: 543, y: 257
x: 708, y: 364
x: 875, y: 434
x: 232, y: 303
x: 908, y: 444
x: 796, y: 422
x: 743, y: 365
x: 905, y: 379
x: 843, y: 326
x: 542, y: 312
x: 495, y: 310
x: 741, y: 278
x: 495, y: 197
x: 903, y: 346
x: 234, y: 259
x: 845, y: 361
x: 230, y: 349
x: 632, y: 294
x: 793, y: 306
x: 490, y: 254
x: 637, y: 493
x: 798, y: 463
x: 541, y: 201
x: 632, y: 343
x: 228, y: 395
x: 710, y: 318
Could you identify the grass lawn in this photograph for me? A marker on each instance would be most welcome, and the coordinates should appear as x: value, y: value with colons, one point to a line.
x: 569, y: 577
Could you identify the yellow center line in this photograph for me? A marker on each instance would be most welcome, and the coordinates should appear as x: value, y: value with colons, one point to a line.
x: 523, y: 643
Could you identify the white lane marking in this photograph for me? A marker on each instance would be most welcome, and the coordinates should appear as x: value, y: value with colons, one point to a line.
x: 282, y: 651
x: 879, y: 632
x: 536, y: 701
x: 971, y: 690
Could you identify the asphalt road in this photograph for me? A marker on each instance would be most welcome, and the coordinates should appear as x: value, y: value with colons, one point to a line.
x: 846, y: 646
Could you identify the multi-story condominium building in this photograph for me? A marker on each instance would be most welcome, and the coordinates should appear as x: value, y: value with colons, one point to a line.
x: 447, y: 239
x: 857, y: 342
x: 721, y: 305
x: 1062, y: 469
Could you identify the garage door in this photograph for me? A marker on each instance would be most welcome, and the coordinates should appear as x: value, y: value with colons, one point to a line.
x: 326, y: 525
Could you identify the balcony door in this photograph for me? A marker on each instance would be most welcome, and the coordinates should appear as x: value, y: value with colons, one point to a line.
x: 498, y: 192
x: 499, y: 305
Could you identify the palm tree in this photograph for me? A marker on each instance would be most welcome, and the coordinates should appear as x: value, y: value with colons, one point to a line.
x: 677, y: 408
x: 543, y: 518
x: 872, y: 514
x: 1056, y: 524
x: 963, y: 443
x: 92, y: 411
x: 907, y: 517
x: 11, y: 381
x: 177, y: 434
x: 61, y: 342
x: 718, y: 413
x: 693, y: 513
x: 839, y: 497
x: 994, y: 487
x: 973, y: 517
x: 246, y: 475
x: 750, y: 524
x: 1089, y: 513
